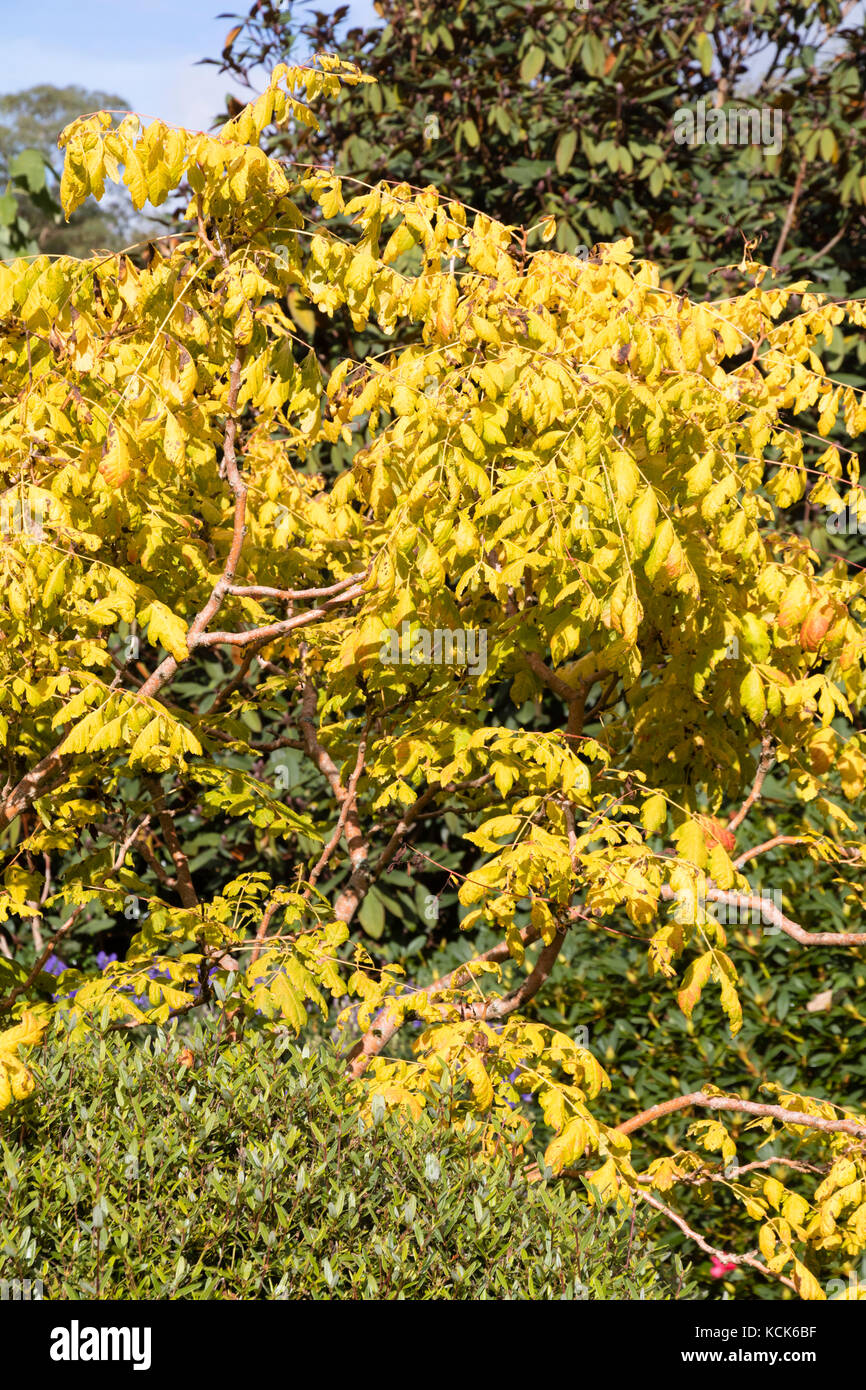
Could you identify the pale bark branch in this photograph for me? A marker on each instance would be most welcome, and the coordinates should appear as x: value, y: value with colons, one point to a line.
x: 748, y: 1259
x: 763, y: 909
x: 764, y: 764
x: 789, y: 215
x: 262, y: 931
x: 271, y: 631
x: 289, y: 595
x: 386, y: 1023
x: 749, y: 854
x: 349, y: 805
x: 746, y: 1107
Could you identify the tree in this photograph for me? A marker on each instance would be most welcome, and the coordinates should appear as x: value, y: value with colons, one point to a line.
x: 29, y: 124
x: 567, y: 500
x: 524, y: 109
x: 26, y: 176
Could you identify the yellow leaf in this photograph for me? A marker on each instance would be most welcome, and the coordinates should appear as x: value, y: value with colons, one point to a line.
x: 482, y: 1086
x: 694, y: 979
x: 16, y: 1081
x: 447, y: 308
x: 691, y: 843
x: 642, y: 521
x: 567, y: 1146
x: 654, y: 813
x: 752, y: 696
x: 166, y: 628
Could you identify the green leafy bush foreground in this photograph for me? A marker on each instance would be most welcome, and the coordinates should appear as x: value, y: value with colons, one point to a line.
x: 172, y: 1169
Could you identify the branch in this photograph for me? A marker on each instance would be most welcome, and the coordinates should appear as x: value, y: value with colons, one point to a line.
x: 272, y: 630
x: 767, y: 845
x: 185, y: 887
x: 386, y: 1024
x: 789, y: 215
x: 350, y: 898
x: 37, y: 782
x: 263, y: 929
x: 711, y: 1249
x: 289, y: 595
x: 349, y: 804
x: 765, y: 909
x: 574, y: 696
x: 417, y: 811
x: 237, y: 680
x: 146, y: 851
x: 764, y: 764
x: 747, y: 1107
x: 183, y: 877
x: 129, y: 842
x: 414, y: 811
x: 776, y: 916
x: 41, y: 959
x: 731, y: 1174
x: 500, y: 1008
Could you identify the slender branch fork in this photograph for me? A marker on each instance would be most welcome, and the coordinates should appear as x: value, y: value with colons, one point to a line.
x: 747, y: 1107
x: 356, y: 842
x: 345, y: 810
x: 747, y: 1259
x: 387, y: 1021
x: 763, y: 908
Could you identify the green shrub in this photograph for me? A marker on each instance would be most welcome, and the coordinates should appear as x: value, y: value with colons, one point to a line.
x: 249, y: 1175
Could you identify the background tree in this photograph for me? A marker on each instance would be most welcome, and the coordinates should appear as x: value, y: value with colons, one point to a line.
x: 30, y: 122
x: 525, y: 109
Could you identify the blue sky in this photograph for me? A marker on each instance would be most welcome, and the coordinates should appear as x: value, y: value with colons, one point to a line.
x: 144, y: 50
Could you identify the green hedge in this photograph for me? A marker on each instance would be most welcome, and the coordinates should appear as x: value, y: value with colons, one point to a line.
x: 249, y: 1175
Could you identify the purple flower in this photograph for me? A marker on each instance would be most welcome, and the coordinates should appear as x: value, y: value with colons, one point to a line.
x: 103, y: 960
x: 55, y: 966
